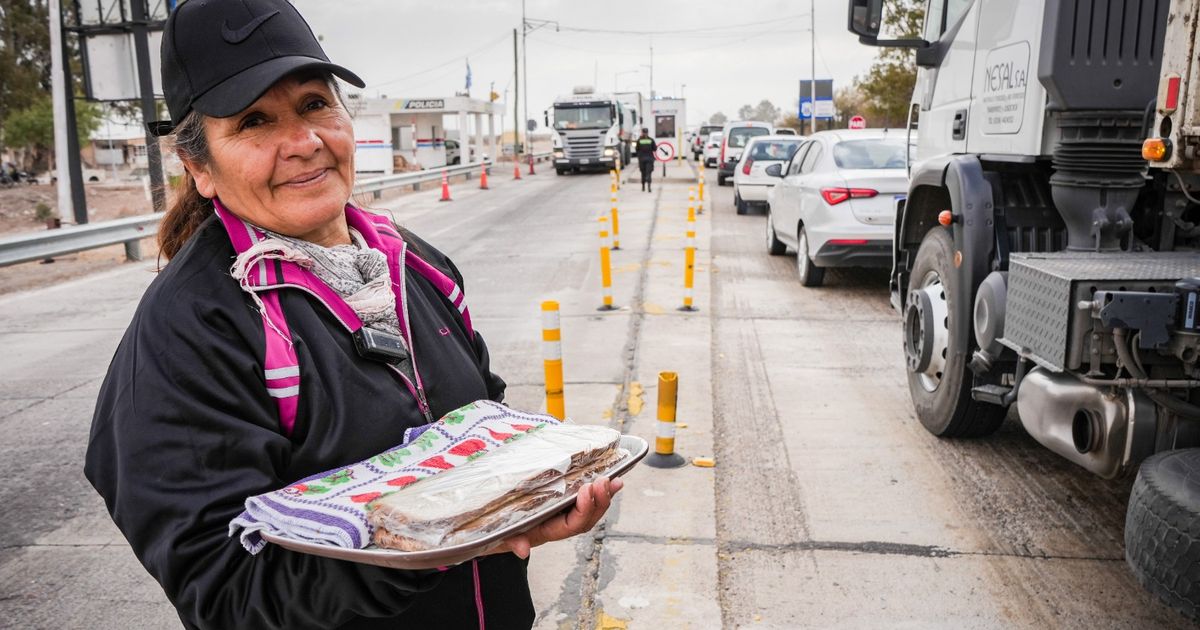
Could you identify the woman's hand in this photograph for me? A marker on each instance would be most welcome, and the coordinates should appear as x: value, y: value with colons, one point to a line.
x: 590, y: 505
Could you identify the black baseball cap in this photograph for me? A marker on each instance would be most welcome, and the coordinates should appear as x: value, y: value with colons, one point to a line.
x: 219, y: 56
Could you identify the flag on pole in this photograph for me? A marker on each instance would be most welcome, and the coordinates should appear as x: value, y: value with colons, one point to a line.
x: 468, y: 75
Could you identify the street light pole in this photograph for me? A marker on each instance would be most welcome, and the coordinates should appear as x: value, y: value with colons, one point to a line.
x: 812, y: 87
x: 525, y: 73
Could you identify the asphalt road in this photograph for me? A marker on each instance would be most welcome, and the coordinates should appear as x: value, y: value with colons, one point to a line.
x: 829, y: 505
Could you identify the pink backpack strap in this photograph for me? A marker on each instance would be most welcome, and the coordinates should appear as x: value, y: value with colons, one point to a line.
x: 281, y: 367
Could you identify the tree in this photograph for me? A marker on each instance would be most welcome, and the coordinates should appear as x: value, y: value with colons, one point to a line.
x: 745, y: 112
x: 33, y: 127
x: 24, y: 54
x: 888, y: 86
x: 717, y: 119
x: 766, y: 112
x: 848, y: 101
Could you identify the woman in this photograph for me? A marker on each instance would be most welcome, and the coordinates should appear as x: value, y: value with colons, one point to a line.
x: 230, y: 384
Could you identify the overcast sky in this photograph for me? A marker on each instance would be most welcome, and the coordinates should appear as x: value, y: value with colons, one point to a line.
x: 733, y: 53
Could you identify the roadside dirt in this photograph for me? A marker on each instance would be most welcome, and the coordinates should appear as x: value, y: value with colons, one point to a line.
x: 18, y: 209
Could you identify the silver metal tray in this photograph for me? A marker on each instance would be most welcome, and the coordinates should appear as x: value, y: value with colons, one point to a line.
x: 447, y: 556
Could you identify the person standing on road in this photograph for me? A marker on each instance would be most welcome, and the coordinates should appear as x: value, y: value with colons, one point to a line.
x: 193, y: 418
x: 645, y: 156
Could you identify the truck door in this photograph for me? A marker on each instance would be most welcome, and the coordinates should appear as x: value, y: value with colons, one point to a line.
x: 944, y: 91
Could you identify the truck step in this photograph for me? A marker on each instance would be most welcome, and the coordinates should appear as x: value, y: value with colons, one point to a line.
x: 993, y: 394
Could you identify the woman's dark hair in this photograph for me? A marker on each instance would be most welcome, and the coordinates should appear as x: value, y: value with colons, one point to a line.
x: 188, y: 208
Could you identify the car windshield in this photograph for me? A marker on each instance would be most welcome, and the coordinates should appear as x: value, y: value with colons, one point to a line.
x: 774, y: 149
x: 714, y: 139
x: 739, y: 137
x: 875, y: 153
x: 582, y: 117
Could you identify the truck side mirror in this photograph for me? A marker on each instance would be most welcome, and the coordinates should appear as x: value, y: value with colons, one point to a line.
x: 775, y: 170
x: 866, y: 16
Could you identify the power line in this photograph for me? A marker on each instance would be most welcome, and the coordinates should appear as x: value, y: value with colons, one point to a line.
x: 439, y: 66
x: 703, y: 29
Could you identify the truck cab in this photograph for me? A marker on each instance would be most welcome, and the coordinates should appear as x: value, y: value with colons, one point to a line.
x: 590, y: 131
x: 1040, y: 260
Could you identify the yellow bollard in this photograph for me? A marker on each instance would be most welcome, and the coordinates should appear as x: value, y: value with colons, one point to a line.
x: 605, y: 267
x: 689, y: 265
x: 552, y: 360
x: 664, y: 455
x: 616, y: 224
x: 700, y: 208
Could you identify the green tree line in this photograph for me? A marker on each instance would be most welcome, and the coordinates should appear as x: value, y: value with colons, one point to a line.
x: 26, y: 109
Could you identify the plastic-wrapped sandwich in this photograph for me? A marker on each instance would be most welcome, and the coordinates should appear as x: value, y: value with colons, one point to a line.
x: 495, y: 490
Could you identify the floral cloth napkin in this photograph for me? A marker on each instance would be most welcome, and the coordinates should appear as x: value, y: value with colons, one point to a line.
x: 331, y: 507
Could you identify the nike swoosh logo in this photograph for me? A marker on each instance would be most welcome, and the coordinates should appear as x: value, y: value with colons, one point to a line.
x: 240, y: 35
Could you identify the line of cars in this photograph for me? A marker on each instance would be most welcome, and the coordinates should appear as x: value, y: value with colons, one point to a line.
x: 830, y: 197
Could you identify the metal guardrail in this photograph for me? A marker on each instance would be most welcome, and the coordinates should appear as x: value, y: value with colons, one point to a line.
x: 51, y: 243
x: 131, y: 230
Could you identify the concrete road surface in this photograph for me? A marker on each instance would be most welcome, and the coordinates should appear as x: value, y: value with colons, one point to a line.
x: 829, y: 506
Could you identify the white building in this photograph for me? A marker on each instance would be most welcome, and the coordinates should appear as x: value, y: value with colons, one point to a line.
x: 392, y: 134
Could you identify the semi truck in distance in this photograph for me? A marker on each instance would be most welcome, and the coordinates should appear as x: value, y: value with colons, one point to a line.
x: 590, y: 131
x: 1047, y: 254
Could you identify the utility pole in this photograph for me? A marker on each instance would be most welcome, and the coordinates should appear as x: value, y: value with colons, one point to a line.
x: 652, y: 73
x: 141, y: 46
x: 812, y: 87
x: 516, y: 98
x: 525, y: 74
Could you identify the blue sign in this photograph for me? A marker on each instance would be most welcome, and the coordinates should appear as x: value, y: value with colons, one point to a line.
x: 824, y: 107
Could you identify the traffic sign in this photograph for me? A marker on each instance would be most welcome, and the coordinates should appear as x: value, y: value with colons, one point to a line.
x: 665, y: 152
x: 858, y: 122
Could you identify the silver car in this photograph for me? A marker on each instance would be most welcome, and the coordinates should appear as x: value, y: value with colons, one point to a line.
x: 835, y: 203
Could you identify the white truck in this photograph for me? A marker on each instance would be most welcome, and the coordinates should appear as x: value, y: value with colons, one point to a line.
x: 590, y: 131
x: 1045, y: 255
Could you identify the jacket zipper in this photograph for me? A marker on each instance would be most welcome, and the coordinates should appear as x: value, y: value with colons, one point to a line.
x: 406, y: 330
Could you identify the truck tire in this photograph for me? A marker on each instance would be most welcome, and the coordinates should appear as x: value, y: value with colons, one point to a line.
x: 942, y: 399
x: 1162, y: 529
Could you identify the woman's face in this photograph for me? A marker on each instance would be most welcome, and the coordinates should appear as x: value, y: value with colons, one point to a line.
x: 286, y: 163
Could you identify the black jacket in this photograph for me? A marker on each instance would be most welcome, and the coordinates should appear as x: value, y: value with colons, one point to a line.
x: 184, y: 431
x: 645, y: 149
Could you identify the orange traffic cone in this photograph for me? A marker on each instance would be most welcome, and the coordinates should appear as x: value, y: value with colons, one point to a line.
x: 516, y: 169
x: 445, y: 187
x: 531, y: 165
x: 483, y: 178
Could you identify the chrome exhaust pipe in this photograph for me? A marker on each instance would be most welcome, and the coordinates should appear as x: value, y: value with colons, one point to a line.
x: 1103, y: 432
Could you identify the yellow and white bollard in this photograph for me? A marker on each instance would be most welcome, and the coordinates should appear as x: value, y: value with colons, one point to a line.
x: 552, y: 360
x: 616, y: 223
x: 689, y: 254
x: 700, y: 207
x: 664, y: 455
x: 605, y: 267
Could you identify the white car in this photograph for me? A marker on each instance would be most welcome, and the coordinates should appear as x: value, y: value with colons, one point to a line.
x: 835, y: 202
x: 712, y: 148
x: 750, y: 180
x: 736, y: 136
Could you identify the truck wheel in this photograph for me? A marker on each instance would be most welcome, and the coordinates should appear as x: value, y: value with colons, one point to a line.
x: 810, y: 274
x: 775, y: 247
x: 939, y: 381
x: 1162, y: 529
